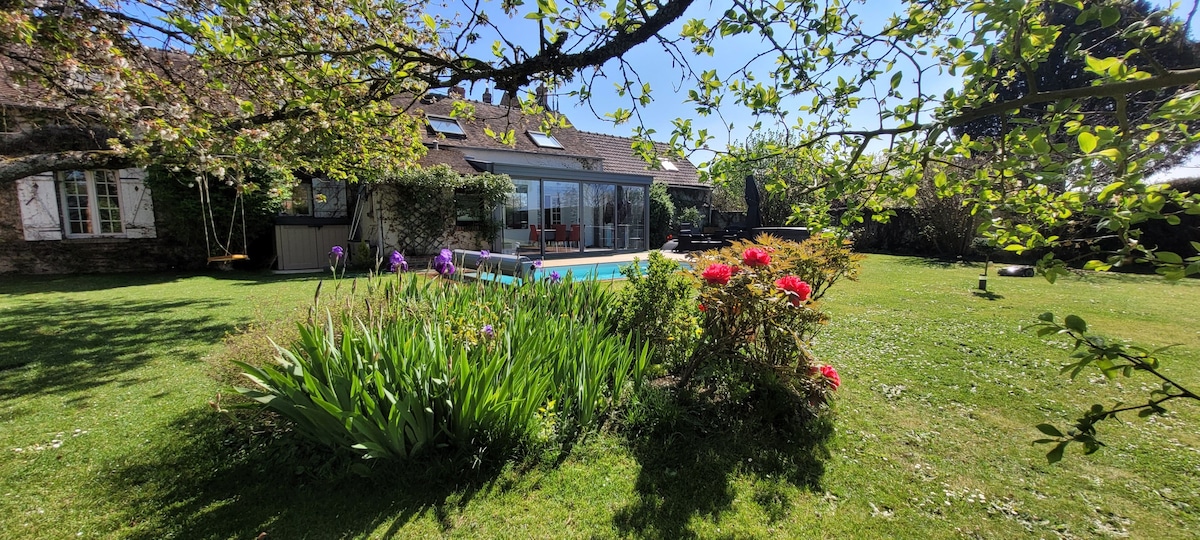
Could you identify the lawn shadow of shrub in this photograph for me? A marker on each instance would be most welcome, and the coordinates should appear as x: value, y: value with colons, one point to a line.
x: 691, y: 454
x: 224, y: 479
x: 937, y: 262
x: 60, y: 347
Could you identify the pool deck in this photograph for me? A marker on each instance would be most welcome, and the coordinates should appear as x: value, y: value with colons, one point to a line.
x: 617, y: 258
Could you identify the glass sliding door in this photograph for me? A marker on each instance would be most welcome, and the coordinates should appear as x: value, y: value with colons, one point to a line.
x: 599, y: 217
x: 561, y: 215
x: 522, y: 233
x: 631, y: 219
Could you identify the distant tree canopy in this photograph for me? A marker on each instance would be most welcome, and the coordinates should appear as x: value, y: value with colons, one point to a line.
x: 1065, y: 68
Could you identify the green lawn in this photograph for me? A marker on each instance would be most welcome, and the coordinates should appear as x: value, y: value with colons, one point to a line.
x: 105, y: 383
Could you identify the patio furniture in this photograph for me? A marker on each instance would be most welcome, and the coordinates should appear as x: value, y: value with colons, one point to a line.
x: 560, y: 233
x: 503, y: 264
x: 574, y: 235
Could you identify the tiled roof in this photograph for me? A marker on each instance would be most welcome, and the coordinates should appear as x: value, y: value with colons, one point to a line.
x: 499, y: 118
x: 618, y: 156
x: 449, y: 156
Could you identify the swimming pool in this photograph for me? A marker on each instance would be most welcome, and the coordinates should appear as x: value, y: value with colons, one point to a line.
x: 603, y: 271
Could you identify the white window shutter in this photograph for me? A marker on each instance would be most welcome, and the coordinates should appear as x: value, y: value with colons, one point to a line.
x: 137, y: 208
x: 39, y: 207
x: 334, y: 195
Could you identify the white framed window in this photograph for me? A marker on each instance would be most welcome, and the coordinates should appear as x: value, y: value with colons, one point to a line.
x: 91, y: 203
x: 544, y: 140
x: 446, y: 126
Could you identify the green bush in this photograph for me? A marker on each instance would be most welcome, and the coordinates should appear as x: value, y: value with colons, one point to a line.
x: 439, y: 365
x: 662, y: 214
x: 691, y: 215
x: 657, y: 308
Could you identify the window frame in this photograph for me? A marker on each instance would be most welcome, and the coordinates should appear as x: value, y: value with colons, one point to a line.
x: 550, y: 141
x: 92, y: 197
x: 431, y: 118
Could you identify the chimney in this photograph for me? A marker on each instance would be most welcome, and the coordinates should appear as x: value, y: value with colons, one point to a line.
x: 457, y: 92
x: 541, y: 96
x: 487, y: 95
x: 507, y: 99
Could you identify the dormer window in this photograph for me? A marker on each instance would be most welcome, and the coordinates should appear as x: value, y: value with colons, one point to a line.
x: 667, y: 165
x: 445, y: 125
x: 544, y: 140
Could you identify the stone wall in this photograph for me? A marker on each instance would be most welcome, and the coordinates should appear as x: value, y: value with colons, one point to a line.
x: 89, y: 255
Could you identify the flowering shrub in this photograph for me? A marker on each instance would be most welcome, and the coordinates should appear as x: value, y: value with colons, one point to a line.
x: 759, y: 310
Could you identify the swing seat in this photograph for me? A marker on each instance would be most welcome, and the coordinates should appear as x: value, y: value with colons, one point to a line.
x: 229, y: 258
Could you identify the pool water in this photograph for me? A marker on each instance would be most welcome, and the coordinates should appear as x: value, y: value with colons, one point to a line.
x: 604, y: 271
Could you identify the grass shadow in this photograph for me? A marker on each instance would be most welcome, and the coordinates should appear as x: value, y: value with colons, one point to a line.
x: 689, y: 463
x: 61, y: 346
x: 934, y: 262
x: 988, y: 295
x: 221, y: 479
x: 17, y: 285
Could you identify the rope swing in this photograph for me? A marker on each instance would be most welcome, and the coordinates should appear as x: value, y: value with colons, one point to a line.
x: 224, y: 252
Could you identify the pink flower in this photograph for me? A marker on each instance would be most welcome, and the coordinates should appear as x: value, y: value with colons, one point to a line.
x: 831, y: 376
x: 717, y: 274
x: 755, y: 257
x: 796, y: 288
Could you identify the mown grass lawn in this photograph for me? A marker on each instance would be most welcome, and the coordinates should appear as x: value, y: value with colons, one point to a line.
x: 106, y: 430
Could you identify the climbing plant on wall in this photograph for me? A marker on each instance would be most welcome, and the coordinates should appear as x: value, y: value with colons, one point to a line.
x: 424, y: 204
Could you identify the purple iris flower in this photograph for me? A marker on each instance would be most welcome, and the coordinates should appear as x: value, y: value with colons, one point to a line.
x: 443, y: 262
x: 555, y: 277
x: 337, y: 252
x: 488, y: 330
x: 398, y: 262
x: 483, y: 254
x: 537, y: 263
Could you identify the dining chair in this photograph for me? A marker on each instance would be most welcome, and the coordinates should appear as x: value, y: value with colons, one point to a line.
x: 560, y: 234
x: 574, y: 236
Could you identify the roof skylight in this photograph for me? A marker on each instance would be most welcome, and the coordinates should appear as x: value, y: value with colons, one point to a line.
x: 446, y: 126
x: 544, y: 140
x: 667, y: 165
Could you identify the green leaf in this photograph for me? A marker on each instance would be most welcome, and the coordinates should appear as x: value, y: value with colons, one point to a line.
x: 1109, y: 16
x: 1074, y: 322
x: 1049, y: 430
x: 429, y: 22
x: 1047, y: 316
x: 1087, y: 142
x: 1168, y: 257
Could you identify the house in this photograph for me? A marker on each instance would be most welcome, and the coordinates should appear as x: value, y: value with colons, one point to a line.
x: 576, y: 193
x: 571, y: 198
x: 70, y: 221
x: 680, y: 176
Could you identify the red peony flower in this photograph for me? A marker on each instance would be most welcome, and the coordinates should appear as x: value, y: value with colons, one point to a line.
x: 703, y: 307
x: 717, y: 274
x: 755, y: 257
x: 796, y: 288
x: 831, y: 376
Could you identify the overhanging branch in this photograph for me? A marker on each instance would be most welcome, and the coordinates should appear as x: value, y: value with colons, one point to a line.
x: 12, y: 169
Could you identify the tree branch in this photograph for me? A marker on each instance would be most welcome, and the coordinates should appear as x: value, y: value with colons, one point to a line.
x: 1158, y: 82
x: 21, y: 167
